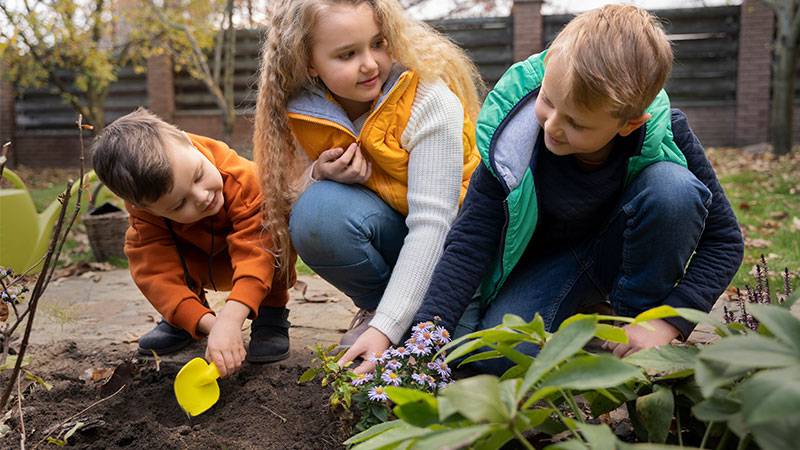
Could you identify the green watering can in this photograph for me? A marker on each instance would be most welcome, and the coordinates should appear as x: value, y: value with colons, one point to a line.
x: 24, y: 233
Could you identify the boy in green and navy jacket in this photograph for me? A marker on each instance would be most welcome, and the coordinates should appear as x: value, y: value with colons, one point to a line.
x: 591, y: 189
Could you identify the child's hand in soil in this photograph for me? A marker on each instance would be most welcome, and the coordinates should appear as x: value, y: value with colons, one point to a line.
x: 640, y: 338
x: 371, y: 342
x: 345, y: 166
x: 225, y: 347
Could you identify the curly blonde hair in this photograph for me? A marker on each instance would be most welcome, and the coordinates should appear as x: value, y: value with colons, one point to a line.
x: 284, y: 72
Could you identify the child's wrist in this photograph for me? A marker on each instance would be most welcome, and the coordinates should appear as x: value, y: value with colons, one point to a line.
x: 234, y: 311
x: 312, y: 175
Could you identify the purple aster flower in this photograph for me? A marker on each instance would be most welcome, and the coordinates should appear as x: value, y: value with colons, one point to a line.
x: 423, y: 326
x: 419, y: 377
x: 400, y: 352
x: 378, y: 358
x: 362, y: 378
x: 378, y: 394
x: 440, y: 367
x: 441, y: 335
x: 419, y: 349
x: 392, y: 378
x: 423, y: 336
x: 393, y: 364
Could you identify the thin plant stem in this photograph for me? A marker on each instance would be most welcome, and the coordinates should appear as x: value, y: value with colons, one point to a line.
x: 21, y: 418
x: 723, y: 441
x: 565, y: 421
x: 573, y: 405
x: 521, y: 438
x: 680, y: 427
x: 706, y: 435
x: 744, y: 442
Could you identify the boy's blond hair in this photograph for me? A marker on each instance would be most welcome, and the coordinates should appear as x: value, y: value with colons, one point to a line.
x: 284, y: 71
x: 129, y: 156
x: 617, y: 56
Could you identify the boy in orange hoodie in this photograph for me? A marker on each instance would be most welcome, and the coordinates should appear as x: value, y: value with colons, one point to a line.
x: 195, y: 223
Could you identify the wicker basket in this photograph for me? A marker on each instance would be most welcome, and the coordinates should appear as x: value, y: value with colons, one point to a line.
x: 106, y: 226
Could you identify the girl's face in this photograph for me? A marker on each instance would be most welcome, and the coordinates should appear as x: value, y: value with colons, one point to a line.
x: 349, y: 54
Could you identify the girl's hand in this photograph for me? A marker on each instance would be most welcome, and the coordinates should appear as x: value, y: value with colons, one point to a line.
x: 372, y: 342
x: 345, y: 166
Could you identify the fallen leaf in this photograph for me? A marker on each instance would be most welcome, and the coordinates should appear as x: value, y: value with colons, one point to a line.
x: 778, y: 215
x: 301, y: 286
x: 95, y: 374
x: 757, y: 243
x: 132, y: 339
x: 3, y: 311
x: 744, y: 205
x: 771, y: 224
x: 796, y: 223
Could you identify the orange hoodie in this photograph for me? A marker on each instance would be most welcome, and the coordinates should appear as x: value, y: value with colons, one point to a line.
x: 235, y: 231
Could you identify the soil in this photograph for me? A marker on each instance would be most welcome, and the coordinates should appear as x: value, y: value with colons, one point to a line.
x: 262, y: 406
x: 88, y: 325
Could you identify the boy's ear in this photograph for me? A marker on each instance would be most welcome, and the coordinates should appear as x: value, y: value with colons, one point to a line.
x: 312, y: 72
x: 633, y: 124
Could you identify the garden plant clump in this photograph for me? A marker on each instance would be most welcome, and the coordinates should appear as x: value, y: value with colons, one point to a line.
x: 419, y: 364
x: 740, y: 391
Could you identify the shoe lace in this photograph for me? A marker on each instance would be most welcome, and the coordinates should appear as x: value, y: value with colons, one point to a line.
x: 361, y: 316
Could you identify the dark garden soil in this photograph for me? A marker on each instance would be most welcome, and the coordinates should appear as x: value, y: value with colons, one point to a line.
x: 260, y: 407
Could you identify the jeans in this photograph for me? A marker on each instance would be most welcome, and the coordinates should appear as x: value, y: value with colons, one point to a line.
x: 349, y: 236
x: 634, y: 261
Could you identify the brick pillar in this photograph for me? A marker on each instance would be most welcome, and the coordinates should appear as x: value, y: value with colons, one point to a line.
x: 161, y: 87
x: 7, y: 111
x: 756, y: 34
x: 528, y: 28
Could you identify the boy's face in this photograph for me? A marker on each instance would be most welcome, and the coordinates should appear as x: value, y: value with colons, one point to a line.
x: 570, y: 129
x: 197, y: 185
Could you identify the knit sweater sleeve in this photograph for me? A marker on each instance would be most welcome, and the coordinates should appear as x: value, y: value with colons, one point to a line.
x: 433, y: 138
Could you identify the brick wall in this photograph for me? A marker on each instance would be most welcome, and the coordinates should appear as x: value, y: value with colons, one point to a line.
x: 211, y: 125
x: 528, y: 28
x: 7, y: 122
x: 713, y: 125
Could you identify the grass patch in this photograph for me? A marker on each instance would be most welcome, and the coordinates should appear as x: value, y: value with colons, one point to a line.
x: 765, y: 195
x: 302, y: 268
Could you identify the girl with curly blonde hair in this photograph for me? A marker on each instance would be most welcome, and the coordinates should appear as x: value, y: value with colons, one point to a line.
x: 380, y: 111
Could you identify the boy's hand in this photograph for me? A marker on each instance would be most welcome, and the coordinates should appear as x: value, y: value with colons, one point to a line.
x: 640, y: 338
x: 372, y: 342
x: 345, y: 166
x: 225, y: 347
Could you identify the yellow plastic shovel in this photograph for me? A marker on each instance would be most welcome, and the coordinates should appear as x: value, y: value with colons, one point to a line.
x: 196, y: 386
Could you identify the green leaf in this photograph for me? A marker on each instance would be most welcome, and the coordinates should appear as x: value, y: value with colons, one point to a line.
x: 453, y: 439
x: 659, y: 312
x: 751, y: 351
x: 591, y: 372
x: 72, y: 431
x: 711, y: 375
x: 779, y: 434
x: 716, y: 409
x: 464, y: 349
x: 419, y: 413
x: 53, y: 441
x: 38, y: 380
x: 534, y: 329
x: 393, y: 436
x: 567, y: 341
x: 11, y: 360
x: 780, y: 322
x: 374, y: 431
x: 655, y: 412
x: 401, y: 395
x: 611, y: 333
x: 664, y: 359
x: 771, y: 395
x: 333, y: 367
x: 491, y: 354
x: 537, y: 416
x: 495, y: 440
x: 478, y: 399
x: 309, y: 375
x: 513, y: 320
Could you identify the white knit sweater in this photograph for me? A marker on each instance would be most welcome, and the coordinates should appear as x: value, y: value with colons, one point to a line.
x: 433, y: 139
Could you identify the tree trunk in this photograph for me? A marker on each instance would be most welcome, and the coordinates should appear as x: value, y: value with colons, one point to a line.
x: 229, y: 111
x: 783, y: 99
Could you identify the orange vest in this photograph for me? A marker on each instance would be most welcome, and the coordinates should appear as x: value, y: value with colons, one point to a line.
x: 319, y: 123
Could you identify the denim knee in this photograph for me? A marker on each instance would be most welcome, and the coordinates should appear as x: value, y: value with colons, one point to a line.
x: 326, y: 221
x: 669, y: 194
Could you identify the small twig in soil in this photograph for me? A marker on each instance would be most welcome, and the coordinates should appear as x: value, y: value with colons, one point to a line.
x: 267, y: 408
x: 61, y: 424
x: 21, y: 418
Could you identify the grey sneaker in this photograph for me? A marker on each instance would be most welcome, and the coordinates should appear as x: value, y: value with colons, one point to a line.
x: 357, y: 327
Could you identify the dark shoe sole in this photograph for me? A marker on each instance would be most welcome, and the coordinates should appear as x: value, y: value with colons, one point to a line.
x: 266, y: 358
x: 165, y: 351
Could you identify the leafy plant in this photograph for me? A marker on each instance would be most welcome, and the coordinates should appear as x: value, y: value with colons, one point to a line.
x: 561, y: 389
x: 417, y: 365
